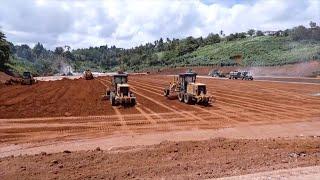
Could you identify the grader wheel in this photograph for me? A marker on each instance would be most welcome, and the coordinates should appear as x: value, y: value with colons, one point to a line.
x: 166, y: 92
x: 180, y: 97
x: 187, y: 99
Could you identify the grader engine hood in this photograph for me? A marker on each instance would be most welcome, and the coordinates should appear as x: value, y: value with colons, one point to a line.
x: 199, y: 92
x: 123, y: 90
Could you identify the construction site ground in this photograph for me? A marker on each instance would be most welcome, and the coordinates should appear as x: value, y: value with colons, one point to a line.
x: 252, y: 126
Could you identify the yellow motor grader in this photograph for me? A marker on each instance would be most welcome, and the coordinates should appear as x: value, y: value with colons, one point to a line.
x: 119, y: 91
x: 87, y: 75
x: 28, y: 79
x: 187, y: 90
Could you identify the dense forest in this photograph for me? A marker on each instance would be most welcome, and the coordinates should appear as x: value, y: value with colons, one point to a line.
x: 253, y: 48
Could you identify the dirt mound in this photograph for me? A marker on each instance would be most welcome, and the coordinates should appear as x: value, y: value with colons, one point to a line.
x: 4, y: 77
x: 168, y: 160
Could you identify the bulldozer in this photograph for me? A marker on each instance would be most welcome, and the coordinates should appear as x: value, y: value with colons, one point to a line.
x: 188, y: 90
x: 27, y: 79
x: 87, y: 74
x: 119, y: 91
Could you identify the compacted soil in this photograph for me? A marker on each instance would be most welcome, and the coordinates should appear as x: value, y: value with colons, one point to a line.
x: 71, y: 114
x: 168, y: 160
x: 75, y: 109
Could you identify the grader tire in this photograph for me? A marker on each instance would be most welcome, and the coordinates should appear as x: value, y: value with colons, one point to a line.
x: 133, y: 102
x: 180, y: 97
x: 166, y: 92
x: 187, y: 99
x: 112, y: 99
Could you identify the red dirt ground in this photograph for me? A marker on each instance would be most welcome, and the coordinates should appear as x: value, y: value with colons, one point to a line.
x: 4, y: 77
x: 168, y: 160
x: 73, y: 108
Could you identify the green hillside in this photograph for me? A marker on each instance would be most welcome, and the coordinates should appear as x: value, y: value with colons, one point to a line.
x: 255, y: 51
x: 284, y: 47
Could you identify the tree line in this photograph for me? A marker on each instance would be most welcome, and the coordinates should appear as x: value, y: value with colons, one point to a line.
x: 162, y: 52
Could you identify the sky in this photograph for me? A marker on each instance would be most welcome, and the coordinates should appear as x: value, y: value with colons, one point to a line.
x: 128, y: 23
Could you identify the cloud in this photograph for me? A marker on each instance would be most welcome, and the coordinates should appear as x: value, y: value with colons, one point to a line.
x: 127, y: 23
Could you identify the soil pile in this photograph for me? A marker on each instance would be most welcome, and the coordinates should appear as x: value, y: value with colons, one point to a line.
x: 4, y: 77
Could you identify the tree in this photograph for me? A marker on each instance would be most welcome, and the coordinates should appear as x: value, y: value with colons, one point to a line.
x: 24, y: 51
x: 2, y: 36
x: 4, y: 51
x: 221, y: 33
x: 313, y: 24
x: 259, y: 33
x: 299, y: 33
x: 212, y: 38
x: 38, y: 49
x: 251, y: 32
x: 160, y: 45
x: 59, y: 50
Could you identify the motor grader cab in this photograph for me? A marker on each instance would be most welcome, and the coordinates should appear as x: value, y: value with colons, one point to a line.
x: 187, y: 90
x: 87, y: 74
x: 27, y: 79
x: 119, y: 91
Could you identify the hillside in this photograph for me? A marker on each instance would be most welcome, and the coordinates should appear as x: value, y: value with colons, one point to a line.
x: 291, y: 46
x: 255, y: 51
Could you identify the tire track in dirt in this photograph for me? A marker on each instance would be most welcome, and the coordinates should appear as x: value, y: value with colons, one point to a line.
x: 196, y: 107
x: 184, y: 114
x: 245, y: 99
x: 263, y: 107
x: 248, y: 106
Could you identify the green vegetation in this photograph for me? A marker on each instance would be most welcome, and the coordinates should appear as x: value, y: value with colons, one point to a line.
x: 4, y: 51
x: 256, y: 51
x: 252, y: 48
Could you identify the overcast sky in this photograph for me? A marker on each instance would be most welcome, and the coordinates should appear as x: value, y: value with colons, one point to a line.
x: 127, y: 23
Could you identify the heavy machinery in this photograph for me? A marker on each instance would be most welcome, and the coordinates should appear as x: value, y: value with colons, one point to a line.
x: 188, y: 90
x: 240, y: 75
x: 119, y: 91
x: 234, y: 75
x: 246, y: 76
x: 87, y: 74
x: 27, y: 79
x: 216, y: 73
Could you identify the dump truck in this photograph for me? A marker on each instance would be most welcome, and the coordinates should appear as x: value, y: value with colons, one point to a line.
x: 119, y: 91
x: 240, y: 75
x: 187, y: 90
x: 27, y: 79
x: 87, y: 74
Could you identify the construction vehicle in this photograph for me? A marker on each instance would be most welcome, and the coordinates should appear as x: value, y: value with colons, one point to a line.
x: 87, y: 74
x: 27, y: 79
x: 234, y: 75
x: 216, y: 73
x: 188, y: 90
x: 246, y: 76
x: 119, y: 91
x: 240, y: 75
